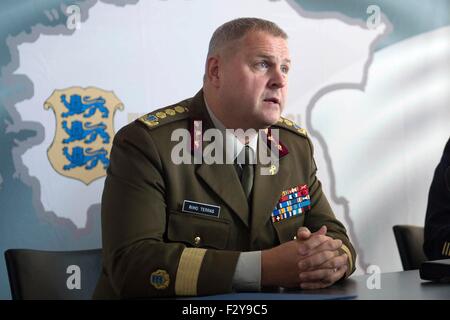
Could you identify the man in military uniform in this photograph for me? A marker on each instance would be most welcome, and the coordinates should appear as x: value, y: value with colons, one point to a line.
x: 173, y: 228
x: 437, y: 221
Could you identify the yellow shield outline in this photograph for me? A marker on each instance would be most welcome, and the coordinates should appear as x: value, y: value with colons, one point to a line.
x: 99, y: 126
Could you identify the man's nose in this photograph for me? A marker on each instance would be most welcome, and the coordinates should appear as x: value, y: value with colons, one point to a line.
x: 277, y: 80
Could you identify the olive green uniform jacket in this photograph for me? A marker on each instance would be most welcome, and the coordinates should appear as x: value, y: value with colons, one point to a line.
x: 151, y: 248
x: 437, y: 222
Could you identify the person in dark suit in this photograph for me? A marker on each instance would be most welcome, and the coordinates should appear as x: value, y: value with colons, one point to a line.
x: 437, y: 221
x: 177, y: 224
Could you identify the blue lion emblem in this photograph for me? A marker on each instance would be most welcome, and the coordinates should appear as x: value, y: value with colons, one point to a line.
x: 89, y: 132
x: 89, y: 160
x: 79, y: 106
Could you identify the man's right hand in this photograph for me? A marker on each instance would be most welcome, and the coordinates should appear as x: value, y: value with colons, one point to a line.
x: 279, y: 265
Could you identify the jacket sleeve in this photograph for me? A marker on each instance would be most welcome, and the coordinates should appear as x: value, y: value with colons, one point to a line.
x: 137, y: 260
x: 437, y: 221
x: 322, y: 214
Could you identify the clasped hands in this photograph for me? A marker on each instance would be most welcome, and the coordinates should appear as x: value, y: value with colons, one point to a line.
x: 311, y: 261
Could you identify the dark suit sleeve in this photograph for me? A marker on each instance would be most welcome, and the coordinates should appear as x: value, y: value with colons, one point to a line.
x: 437, y: 221
x: 322, y: 214
x: 137, y: 260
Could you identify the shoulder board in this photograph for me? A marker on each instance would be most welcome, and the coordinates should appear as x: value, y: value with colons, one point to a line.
x: 292, y: 126
x: 164, y: 115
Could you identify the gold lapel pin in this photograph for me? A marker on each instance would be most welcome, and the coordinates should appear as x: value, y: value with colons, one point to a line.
x: 273, y: 169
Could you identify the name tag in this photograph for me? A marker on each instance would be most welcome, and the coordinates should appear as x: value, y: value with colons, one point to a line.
x: 201, y: 208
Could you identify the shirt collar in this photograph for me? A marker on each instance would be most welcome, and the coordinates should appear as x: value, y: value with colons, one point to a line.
x: 231, y: 141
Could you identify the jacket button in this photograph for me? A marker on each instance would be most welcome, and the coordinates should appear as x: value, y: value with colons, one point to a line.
x: 197, y: 240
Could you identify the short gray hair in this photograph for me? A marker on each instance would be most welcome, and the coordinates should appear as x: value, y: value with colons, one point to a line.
x: 237, y: 28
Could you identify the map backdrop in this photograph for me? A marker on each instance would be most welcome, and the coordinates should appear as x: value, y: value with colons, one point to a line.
x: 369, y: 82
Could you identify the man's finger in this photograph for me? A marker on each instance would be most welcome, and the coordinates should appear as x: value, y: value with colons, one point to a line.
x: 336, y: 262
x: 322, y: 230
x: 306, y: 246
x: 315, y: 275
x: 304, y: 233
x: 329, y: 245
x: 321, y: 278
x: 316, y: 260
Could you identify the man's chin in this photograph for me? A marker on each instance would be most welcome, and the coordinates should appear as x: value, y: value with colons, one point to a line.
x: 268, y: 122
x: 272, y: 118
x: 265, y: 119
x: 272, y: 114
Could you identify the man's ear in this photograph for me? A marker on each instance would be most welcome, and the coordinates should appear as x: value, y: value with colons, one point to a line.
x: 212, y: 70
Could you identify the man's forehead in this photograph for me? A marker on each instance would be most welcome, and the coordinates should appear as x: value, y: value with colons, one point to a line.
x: 266, y: 45
x: 269, y: 56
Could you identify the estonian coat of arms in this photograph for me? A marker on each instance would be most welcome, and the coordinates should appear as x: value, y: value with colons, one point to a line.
x: 84, y: 131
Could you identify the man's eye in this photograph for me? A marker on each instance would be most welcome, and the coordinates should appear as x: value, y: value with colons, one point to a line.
x: 262, y: 64
x: 285, y: 69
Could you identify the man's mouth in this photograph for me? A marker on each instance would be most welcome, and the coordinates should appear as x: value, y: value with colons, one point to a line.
x: 272, y: 100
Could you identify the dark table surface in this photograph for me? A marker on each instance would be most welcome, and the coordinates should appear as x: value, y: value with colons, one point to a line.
x: 404, y: 285
x: 393, y: 286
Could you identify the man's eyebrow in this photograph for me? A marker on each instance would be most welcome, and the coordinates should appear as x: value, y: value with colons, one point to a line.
x: 270, y: 57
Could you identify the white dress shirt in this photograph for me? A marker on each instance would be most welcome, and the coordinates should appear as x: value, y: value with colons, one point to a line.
x: 247, y: 276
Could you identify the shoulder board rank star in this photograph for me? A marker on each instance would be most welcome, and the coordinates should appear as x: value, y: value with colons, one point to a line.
x: 164, y: 115
x: 288, y: 124
x: 161, y: 115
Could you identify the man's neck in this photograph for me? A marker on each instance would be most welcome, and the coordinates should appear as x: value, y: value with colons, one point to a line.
x: 220, y: 121
x: 220, y: 124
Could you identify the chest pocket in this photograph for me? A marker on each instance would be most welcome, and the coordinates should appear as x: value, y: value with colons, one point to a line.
x: 198, y: 231
x: 287, y: 228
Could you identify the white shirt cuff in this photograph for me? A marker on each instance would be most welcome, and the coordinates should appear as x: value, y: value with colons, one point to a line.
x: 247, y: 276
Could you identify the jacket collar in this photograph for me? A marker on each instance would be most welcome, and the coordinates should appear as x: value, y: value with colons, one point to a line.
x: 223, y: 178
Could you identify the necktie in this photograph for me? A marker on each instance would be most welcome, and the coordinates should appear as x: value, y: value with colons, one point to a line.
x: 247, y: 170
